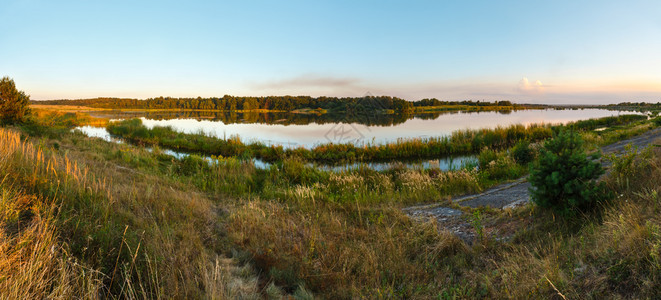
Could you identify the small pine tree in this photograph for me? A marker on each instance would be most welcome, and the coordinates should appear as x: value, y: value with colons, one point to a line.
x: 563, y: 177
x: 14, y: 104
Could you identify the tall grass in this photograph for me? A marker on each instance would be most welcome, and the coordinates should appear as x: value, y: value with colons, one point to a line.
x: 137, y: 237
x: 34, y: 264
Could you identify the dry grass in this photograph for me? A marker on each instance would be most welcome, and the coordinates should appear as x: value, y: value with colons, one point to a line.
x: 136, y: 235
x: 33, y: 263
x: 64, y: 107
x: 49, y: 116
x: 330, y: 252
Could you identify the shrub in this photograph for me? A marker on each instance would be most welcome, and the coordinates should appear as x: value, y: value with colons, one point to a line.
x: 563, y: 177
x: 14, y: 104
x: 522, y: 153
x: 657, y: 121
x: 485, y: 158
x: 192, y: 164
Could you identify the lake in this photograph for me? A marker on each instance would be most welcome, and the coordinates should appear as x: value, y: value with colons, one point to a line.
x: 295, y: 130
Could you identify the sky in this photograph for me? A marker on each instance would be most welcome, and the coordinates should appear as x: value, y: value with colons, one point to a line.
x: 554, y: 52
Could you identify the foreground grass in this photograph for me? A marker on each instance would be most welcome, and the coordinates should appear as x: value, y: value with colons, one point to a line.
x: 124, y: 229
x: 143, y: 224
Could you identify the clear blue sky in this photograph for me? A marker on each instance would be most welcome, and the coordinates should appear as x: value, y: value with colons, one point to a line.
x: 545, y: 51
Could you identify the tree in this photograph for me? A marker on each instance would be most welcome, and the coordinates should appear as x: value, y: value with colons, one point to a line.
x: 14, y: 104
x: 563, y: 177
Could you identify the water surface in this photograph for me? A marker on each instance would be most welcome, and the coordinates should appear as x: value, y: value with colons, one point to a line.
x: 296, y: 130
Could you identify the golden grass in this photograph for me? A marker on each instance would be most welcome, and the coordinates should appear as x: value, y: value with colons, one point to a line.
x: 65, y: 107
x: 34, y: 265
x: 328, y: 251
x: 134, y: 236
x: 54, y: 117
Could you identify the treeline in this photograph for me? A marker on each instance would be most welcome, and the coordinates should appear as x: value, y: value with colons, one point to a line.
x: 436, y: 102
x: 592, y: 124
x: 356, y: 105
x: 638, y: 106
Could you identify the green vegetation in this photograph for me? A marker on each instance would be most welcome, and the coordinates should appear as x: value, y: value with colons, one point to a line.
x: 14, y: 104
x: 94, y: 219
x: 563, y: 178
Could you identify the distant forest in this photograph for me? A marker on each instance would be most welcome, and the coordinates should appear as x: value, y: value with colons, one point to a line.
x: 283, y: 118
x: 278, y: 103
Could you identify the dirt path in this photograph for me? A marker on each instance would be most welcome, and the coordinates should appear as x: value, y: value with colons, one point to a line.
x: 505, y: 195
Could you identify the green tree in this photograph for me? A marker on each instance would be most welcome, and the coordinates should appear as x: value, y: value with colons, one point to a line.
x: 250, y: 104
x: 14, y: 104
x: 564, y: 177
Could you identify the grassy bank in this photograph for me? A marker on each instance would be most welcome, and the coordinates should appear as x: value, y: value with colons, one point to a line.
x: 120, y: 231
x: 140, y: 223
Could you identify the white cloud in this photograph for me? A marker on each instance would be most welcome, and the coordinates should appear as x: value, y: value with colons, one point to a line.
x: 309, y: 80
x: 530, y: 88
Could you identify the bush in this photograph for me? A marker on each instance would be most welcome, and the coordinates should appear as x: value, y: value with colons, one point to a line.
x: 522, y: 153
x: 657, y: 121
x: 14, y: 104
x: 563, y: 177
x: 485, y: 158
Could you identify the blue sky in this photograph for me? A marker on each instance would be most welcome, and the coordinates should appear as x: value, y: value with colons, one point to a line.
x: 544, y: 52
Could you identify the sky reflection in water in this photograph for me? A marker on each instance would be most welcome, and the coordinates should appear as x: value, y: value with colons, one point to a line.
x: 313, y: 134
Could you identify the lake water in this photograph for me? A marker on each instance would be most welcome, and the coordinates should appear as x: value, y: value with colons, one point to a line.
x: 444, y: 164
x: 293, y: 130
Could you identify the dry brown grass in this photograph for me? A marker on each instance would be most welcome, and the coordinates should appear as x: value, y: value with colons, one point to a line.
x: 65, y: 107
x: 332, y: 254
x: 34, y: 264
x: 55, y: 116
x: 135, y: 236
